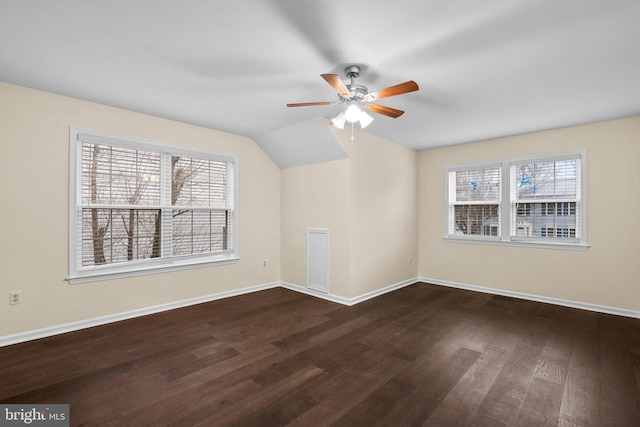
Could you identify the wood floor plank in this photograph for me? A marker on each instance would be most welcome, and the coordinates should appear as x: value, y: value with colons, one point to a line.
x: 620, y: 400
x: 335, y: 394
x: 247, y: 407
x: 430, y: 390
x: 325, y: 356
x: 377, y: 405
x: 320, y: 333
x: 503, y: 400
x: 541, y: 403
x: 582, y: 399
x: 198, y: 364
x: 421, y: 355
x: 461, y: 405
x: 191, y: 404
x: 487, y: 335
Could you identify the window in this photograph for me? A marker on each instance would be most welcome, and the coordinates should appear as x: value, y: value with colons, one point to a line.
x: 551, y: 189
x: 545, y: 201
x: 474, y: 201
x: 139, y: 206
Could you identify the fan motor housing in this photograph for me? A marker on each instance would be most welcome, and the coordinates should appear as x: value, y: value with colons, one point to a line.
x: 358, y: 92
x: 352, y: 71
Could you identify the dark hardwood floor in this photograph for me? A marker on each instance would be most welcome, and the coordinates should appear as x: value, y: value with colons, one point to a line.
x: 422, y: 355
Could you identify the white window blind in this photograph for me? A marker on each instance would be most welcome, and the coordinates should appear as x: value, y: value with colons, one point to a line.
x: 474, y: 202
x: 537, y: 201
x: 120, y: 204
x: 200, y: 200
x: 140, y: 206
x: 545, y: 199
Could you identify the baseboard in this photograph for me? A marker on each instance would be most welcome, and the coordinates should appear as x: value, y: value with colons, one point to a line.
x: 382, y: 291
x: 111, y: 318
x: 557, y: 301
x: 97, y: 321
x: 317, y: 294
x: 349, y: 301
x: 103, y: 320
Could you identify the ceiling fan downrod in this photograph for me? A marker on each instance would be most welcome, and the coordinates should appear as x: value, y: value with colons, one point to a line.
x: 352, y: 71
x: 358, y: 92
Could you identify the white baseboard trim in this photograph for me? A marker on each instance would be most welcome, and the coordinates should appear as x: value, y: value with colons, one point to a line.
x: 314, y: 293
x: 349, y: 301
x: 103, y: 320
x: 111, y: 318
x: 557, y: 301
x: 382, y: 291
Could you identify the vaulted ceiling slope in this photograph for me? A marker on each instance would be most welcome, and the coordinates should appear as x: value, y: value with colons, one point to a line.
x: 485, y: 68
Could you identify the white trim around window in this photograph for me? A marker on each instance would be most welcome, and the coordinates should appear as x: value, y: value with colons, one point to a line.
x: 139, y: 207
x: 534, y: 201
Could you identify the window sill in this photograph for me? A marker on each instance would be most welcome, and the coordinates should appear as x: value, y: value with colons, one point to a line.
x: 520, y: 243
x: 117, y: 273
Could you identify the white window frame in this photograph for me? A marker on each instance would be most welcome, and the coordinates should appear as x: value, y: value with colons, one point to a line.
x: 451, y: 194
x: 508, y: 206
x: 79, y: 273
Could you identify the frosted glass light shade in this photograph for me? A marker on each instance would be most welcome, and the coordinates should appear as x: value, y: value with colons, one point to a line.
x: 365, y: 119
x: 339, y: 120
x: 352, y: 114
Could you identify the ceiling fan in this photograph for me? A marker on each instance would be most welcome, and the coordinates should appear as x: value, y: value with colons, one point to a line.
x: 355, y: 97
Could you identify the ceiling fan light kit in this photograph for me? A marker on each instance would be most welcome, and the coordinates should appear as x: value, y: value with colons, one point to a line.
x: 356, y: 97
x: 352, y: 113
x: 365, y: 119
x: 339, y: 120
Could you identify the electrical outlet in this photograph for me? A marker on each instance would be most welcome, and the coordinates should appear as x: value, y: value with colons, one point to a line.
x: 410, y: 260
x: 15, y: 297
x: 264, y: 263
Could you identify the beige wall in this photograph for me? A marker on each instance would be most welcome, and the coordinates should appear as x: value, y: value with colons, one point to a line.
x: 382, y: 205
x: 34, y: 171
x: 606, y: 274
x: 368, y: 203
x: 384, y: 212
x: 316, y: 196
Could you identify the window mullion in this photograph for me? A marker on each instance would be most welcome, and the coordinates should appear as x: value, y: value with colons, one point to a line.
x: 166, y: 210
x: 231, y: 215
x: 509, y: 204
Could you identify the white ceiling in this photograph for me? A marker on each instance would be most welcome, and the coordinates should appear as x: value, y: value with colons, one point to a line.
x: 486, y: 68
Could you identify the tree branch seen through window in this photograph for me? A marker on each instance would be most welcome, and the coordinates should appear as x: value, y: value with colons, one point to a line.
x: 138, y: 202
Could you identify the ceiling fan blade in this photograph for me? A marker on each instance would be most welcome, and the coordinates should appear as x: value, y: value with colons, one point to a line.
x: 399, y: 89
x: 336, y: 82
x: 387, y: 111
x: 309, y: 104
